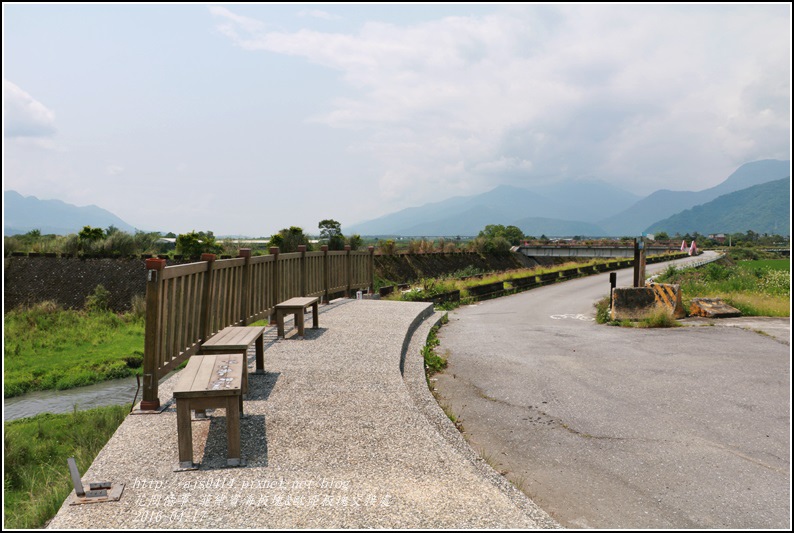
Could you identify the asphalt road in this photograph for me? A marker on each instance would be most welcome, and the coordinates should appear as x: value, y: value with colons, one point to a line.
x: 607, y: 427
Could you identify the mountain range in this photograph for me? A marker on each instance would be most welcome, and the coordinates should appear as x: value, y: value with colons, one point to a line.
x: 22, y: 214
x: 563, y: 209
x: 763, y: 208
x: 587, y: 208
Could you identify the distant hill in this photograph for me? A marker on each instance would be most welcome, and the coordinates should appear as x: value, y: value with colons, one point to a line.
x: 665, y: 203
x: 537, y: 226
x: 561, y: 209
x: 25, y: 213
x: 761, y: 208
x: 551, y: 206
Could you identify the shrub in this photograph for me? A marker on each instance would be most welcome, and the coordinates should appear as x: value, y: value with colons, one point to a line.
x: 99, y: 300
x: 388, y: 247
x: 603, y: 310
x: 119, y: 243
x: 138, y: 306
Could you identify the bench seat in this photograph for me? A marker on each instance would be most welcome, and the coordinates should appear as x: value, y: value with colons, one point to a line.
x: 207, y: 382
x: 236, y: 338
x: 297, y: 306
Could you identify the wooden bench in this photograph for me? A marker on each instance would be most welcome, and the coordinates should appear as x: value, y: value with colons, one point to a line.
x: 297, y: 306
x: 236, y: 338
x: 206, y: 382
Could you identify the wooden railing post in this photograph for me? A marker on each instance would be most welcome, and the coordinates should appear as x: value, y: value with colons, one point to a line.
x: 302, y: 269
x: 276, y: 276
x: 245, y: 297
x: 326, y: 273
x: 349, y: 271
x: 371, y: 289
x: 205, y: 326
x: 151, y: 345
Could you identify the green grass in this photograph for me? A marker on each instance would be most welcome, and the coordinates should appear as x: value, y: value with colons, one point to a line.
x: 766, y: 264
x: 756, y: 288
x: 661, y: 318
x: 433, y: 362
x: 657, y: 319
x: 36, y: 478
x: 430, y: 287
x: 49, y: 348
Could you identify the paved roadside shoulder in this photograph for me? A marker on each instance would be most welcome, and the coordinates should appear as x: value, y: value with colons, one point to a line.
x: 332, y: 436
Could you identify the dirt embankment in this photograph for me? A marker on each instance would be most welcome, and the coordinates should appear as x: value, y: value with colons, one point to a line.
x: 403, y: 268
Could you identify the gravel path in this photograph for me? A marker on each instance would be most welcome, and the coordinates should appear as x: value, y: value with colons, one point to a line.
x: 335, y: 436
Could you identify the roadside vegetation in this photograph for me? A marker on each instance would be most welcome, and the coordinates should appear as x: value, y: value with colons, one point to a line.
x: 36, y: 478
x: 465, y: 280
x: 47, y: 347
x: 760, y: 287
x: 755, y: 282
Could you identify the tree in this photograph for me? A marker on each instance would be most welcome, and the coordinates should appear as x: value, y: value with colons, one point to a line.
x: 331, y: 233
x: 194, y: 244
x: 511, y: 234
x: 288, y: 239
x: 88, y: 237
x: 89, y: 234
x: 354, y: 241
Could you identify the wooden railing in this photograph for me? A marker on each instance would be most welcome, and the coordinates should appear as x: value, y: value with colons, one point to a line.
x: 187, y: 304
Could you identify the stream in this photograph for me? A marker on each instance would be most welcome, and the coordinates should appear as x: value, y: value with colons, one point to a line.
x: 116, y: 392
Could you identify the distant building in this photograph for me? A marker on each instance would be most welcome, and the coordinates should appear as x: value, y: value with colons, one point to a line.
x: 719, y: 237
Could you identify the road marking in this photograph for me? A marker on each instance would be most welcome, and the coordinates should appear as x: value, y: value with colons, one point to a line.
x: 572, y: 316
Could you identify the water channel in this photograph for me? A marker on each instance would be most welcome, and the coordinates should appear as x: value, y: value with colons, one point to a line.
x: 116, y: 392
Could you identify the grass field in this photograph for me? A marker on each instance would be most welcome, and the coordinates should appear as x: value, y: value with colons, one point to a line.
x: 35, y: 474
x: 766, y: 264
x: 50, y: 348
x: 756, y: 288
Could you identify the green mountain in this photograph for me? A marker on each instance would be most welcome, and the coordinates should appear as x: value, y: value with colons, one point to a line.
x: 551, y: 206
x: 22, y: 214
x: 764, y: 208
x: 665, y: 203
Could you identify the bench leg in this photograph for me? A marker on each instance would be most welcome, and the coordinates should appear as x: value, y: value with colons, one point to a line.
x: 260, y: 354
x: 233, y: 430
x: 315, y: 316
x: 299, y: 321
x: 184, y: 433
x: 279, y: 323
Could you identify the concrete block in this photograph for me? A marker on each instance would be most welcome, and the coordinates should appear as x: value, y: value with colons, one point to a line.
x: 636, y: 303
x: 712, y: 308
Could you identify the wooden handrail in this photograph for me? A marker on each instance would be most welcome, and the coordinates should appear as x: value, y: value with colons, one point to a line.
x: 187, y: 304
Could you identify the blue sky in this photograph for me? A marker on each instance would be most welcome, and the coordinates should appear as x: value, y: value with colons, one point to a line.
x: 244, y: 119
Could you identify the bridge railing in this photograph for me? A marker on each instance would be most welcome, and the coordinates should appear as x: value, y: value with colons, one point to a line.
x: 187, y: 304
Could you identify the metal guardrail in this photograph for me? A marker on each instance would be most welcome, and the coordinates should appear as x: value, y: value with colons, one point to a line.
x: 696, y: 264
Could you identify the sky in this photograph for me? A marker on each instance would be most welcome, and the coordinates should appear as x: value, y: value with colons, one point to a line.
x: 245, y: 119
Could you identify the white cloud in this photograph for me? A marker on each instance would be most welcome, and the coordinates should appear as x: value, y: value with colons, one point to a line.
x: 23, y: 115
x: 114, y: 170
x: 317, y: 13
x: 616, y: 92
